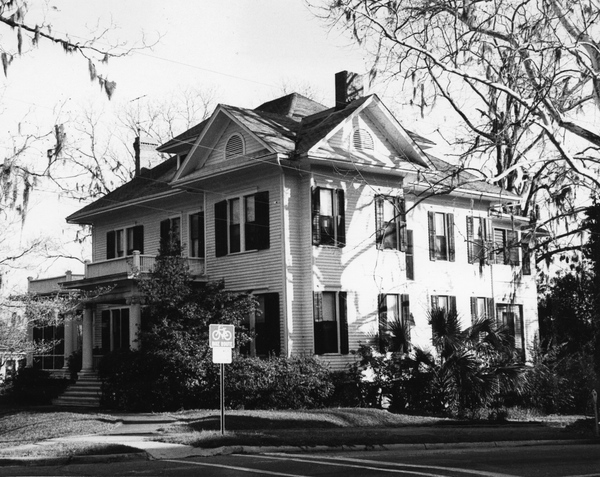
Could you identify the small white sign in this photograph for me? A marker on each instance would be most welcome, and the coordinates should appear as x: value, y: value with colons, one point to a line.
x: 222, y: 355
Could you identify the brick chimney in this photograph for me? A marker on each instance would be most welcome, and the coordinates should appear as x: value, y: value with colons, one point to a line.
x: 348, y: 87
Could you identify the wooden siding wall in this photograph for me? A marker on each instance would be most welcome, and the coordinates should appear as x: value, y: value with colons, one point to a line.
x: 258, y: 271
x: 149, y: 215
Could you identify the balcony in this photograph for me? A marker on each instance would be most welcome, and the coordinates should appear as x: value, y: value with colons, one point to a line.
x: 133, y: 265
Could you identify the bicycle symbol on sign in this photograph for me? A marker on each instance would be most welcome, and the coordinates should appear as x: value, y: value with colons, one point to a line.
x: 221, y: 334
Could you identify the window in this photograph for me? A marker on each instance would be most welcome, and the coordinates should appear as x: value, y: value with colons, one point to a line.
x: 242, y: 224
x: 331, y: 325
x: 441, y: 236
x: 328, y: 225
x: 362, y: 140
x: 51, y: 340
x: 510, y: 317
x: 446, y: 302
x: 476, y: 238
x: 235, y: 146
x: 481, y: 308
x: 264, y: 326
x: 197, y: 235
x: 506, y: 246
x: 115, y: 329
x: 393, y: 308
x: 390, y: 223
x: 123, y: 242
x: 170, y: 233
x: 410, y: 262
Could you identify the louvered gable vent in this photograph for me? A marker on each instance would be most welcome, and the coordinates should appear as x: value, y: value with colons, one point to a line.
x: 362, y: 140
x: 234, y: 147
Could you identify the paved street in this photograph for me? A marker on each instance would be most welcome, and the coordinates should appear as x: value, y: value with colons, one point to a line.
x: 528, y: 461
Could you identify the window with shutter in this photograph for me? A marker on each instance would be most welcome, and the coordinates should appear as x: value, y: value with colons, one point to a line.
x: 242, y: 224
x: 441, y: 236
x: 170, y: 234
x: 122, y: 242
x: 330, y: 322
x: 476, y: 234
x: 264, y: 327
x: 328, y: 221
x: 510, y: 318
x: 506, y: 245
x: 390, y: 223
x: 196, y: 229
x: 446, y: 302
x: 410, y: 263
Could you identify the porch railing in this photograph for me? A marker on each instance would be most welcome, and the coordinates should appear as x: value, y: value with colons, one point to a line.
x: 133, y: 265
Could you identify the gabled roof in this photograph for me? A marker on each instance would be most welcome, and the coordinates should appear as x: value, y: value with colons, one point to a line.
x: 291, y: 125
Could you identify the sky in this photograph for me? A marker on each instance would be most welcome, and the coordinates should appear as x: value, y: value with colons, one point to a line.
x: 244, y: 49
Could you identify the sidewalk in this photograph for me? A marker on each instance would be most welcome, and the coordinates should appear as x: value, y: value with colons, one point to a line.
x: 138, y: 430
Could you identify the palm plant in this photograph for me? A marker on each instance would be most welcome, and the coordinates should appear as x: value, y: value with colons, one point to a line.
x: 470, y: 367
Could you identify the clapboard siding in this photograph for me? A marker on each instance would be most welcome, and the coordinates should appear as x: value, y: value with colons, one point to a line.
x: 298, y: 263
x: 149, y: 216
x: 261, y: 270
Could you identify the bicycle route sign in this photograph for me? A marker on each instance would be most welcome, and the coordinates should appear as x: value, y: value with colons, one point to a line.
x: 221, y: 336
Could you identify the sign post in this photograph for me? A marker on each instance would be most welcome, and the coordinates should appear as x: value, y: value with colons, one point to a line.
x: 222, y: 341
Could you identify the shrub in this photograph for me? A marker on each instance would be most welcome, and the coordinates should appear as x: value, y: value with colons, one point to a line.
x: 277, y: 383
x: 35, y: 386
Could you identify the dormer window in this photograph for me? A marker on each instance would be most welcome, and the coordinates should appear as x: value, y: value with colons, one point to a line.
x: 362, y: 140
x: 235, y: 146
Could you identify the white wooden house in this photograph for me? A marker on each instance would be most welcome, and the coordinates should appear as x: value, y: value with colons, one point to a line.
x: 334, y: 218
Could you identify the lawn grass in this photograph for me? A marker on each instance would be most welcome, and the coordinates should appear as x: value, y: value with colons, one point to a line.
x: 344, y: 426
x: 27, y: 427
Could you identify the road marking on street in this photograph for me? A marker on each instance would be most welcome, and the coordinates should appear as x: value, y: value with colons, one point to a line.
x: 233, y: 467
x: 340, y: 463
x: 481, y: 473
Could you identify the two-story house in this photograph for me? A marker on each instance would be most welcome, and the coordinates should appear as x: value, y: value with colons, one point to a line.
x: 336, y: 219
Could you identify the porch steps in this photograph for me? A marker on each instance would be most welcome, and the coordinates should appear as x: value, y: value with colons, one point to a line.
x: 85, y: 392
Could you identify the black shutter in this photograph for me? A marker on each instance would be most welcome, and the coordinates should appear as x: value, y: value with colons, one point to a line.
x: 431, y: 225
x: 403, y: 239
x: 165, y: 229
x: 470, y: 240
x: 262, y: 220
x: 111, y: 241
x: 512, y: 239
x: 452, y: 303
x: 379, y: 226
x: 138, y: 238
x: 344, y: 341
x: 491, y: 311
x: 341, y: 220
x: 410, y: 262
x: 473, y: 308
x: 316, y: 212
x: 272, y: 324
x: 450, y: 232
x: 526, y: 259
x: 318, y: 336
x: 221, y: 228
x: 382, y: 315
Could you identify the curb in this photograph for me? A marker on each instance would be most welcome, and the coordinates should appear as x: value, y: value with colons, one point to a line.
x: 77, y: 459
x: 228, y: 450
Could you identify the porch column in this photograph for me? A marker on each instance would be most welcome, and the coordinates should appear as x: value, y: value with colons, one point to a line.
x: 135, y: 320
x: 68, y: 343
x: 87, y: 361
